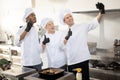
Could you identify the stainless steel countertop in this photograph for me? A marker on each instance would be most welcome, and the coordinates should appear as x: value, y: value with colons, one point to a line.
x: 110, y: 72
x: 16, y: 71
x: 105, y: 74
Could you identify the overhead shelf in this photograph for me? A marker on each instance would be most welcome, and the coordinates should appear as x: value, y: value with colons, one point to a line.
x: 95, y: 11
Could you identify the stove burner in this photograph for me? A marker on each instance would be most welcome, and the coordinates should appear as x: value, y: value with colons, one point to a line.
x: 101, y: 65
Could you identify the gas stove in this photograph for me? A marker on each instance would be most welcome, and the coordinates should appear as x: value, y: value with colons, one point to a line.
x: 105, y: 70
x: 101, y: 65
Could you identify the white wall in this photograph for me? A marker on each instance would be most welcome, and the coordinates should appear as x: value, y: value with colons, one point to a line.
x: 11, y: 14
x: 86, y: 5
x: 108, y: 30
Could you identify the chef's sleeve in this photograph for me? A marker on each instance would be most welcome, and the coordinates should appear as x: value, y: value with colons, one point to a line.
x: 41, y: 49
x: 62, y: 45
x: 93, y: 24
x: 17, y: 41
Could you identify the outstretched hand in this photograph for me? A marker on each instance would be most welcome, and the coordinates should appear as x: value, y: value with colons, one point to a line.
x: 46, y: 40
x: 101, y: 7
x: 69, y: 34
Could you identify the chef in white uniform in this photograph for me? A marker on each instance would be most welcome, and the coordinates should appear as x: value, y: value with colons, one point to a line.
x: 27, y: 38
x: 53, y: 43
x: 77, y: 51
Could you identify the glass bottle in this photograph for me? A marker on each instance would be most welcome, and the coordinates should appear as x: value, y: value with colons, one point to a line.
x: 78, y: 74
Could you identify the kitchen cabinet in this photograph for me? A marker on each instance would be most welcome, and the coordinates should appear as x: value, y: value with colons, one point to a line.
x: 17, y: 73
x: 11, y: 53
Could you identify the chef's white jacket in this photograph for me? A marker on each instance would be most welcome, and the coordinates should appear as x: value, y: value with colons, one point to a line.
x: 30, y: 47
x: 76, y: 47
x: 55, y: 50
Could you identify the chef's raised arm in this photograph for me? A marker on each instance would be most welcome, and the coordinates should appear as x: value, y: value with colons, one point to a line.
x: 101, y: 8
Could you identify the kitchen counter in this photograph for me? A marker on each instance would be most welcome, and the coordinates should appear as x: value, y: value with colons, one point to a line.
x: 104, y: 74
x: 105, y: 56
x: 16, y: 72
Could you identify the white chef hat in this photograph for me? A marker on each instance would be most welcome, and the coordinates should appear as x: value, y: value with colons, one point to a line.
x: 28, y: 11
x: 45, y: 21
x: 63, y: 13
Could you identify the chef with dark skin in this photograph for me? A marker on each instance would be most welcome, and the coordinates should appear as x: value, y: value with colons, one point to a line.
x: 27, y: 38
